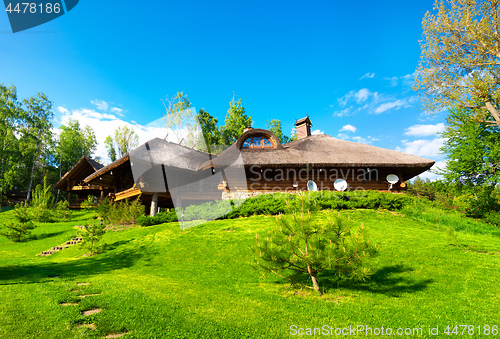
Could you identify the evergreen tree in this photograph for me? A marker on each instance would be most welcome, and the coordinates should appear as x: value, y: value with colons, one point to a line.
x: 236, y: 121
x: 299, y: 245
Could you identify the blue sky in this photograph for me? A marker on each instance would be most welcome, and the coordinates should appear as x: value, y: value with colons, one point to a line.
x: 347, y: 65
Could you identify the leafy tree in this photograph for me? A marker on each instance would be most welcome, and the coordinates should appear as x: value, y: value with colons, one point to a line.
x: 35, y: 135
x: 10, y: 116
x: 461, y: 58
x: 25, y: 138
x: 212, y: 135
x: 473, y: 150
x: 275, y: 127
x: 301, y: 245
x: 74, y: 142
x: 125, y: 140
x: 181, y: 121
x: 110, y: 147
x: 235, y: 122
x: 20, y: 229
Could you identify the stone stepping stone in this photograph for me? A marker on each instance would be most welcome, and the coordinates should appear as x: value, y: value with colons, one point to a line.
x: 69, y: 304
x: 82, y: 284
x: 115, y: 335
x: 89, y: 312
x: 91, y: 326
x: 88, y: 295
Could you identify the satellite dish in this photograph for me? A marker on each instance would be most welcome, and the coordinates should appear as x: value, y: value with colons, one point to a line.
x: 340, y: 185
x: 311, y: 186
x: 392, y: 178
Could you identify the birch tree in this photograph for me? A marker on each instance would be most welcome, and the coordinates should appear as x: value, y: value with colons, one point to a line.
x: 460, y: 58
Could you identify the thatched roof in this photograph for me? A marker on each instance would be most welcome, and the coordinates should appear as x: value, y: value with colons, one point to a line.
x: 322, y: 150
x: 169, y: 154
x: 156, y: 151
x: 83, y: 168
x: 316, y: 150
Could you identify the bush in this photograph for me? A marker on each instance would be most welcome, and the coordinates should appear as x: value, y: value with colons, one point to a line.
x: 92, y: 235
x: 274, y: 204
x: 20, y: 229
x: 42, y: 197
x: 493, y: 217
x: 302, y: 246
x: 120, y: 213
x: 62, y: 211
x: 89, y: 203
x: 160, y: 218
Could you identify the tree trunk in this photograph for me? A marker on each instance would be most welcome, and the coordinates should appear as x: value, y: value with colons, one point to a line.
x: 57, y: 197
x: 493, y: 111
x: 154, y: 204
x: 28, y: 198
x: 314, y: 279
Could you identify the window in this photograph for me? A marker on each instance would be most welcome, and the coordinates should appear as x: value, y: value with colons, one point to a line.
x: 257, y: 142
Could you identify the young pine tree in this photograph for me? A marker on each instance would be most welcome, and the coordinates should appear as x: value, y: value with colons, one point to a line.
x: 298, y: 245
x: 92, y: 235
x: 20, y: 229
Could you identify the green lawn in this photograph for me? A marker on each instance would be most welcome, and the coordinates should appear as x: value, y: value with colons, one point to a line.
x: 159, y: 282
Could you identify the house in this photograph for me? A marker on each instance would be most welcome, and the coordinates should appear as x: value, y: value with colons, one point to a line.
x: 78, y: 190
x: 167, y: 174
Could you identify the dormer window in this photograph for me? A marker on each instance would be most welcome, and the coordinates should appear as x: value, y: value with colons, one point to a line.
x: 259, y: 141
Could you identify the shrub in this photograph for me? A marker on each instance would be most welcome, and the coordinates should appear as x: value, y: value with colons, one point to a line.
x: 62, y: 211
x: 89, y: 203
x: 160, y: 218
x: 20, y: 229
x: 42, y: 197
x: 493, y: 217
x: 120, y: 213
x: 299, y: 245
x: 92, y: 235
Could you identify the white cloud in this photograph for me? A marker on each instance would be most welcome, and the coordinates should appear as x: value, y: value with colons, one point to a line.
x: 358, y: 96
x: 432, y: 174
x: 425, y: 130
x: 363, y: 95
x: 348, y: 128
x: 343, y: 136
x: 100, y: 104
x: 367, y: 75
x: 408, y: 79
x: 316, y: 132
x: 62, y: 110
x: 359, y: 139
x: 390, y: 105
x: 423, y: 148
x: 117, y: 110
x: 344, y: 113
x: 105, y: 124
x: 393, y: 80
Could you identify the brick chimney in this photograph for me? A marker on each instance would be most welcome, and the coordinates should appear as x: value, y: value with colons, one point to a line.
x: 303, y: 127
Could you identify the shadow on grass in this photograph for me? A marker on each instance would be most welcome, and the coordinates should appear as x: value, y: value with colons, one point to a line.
x: 44, y: 235
x: 111, y: 259
x: 389, y: 280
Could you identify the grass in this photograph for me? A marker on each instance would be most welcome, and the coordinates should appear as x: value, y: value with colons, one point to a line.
x: 159, y: 282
